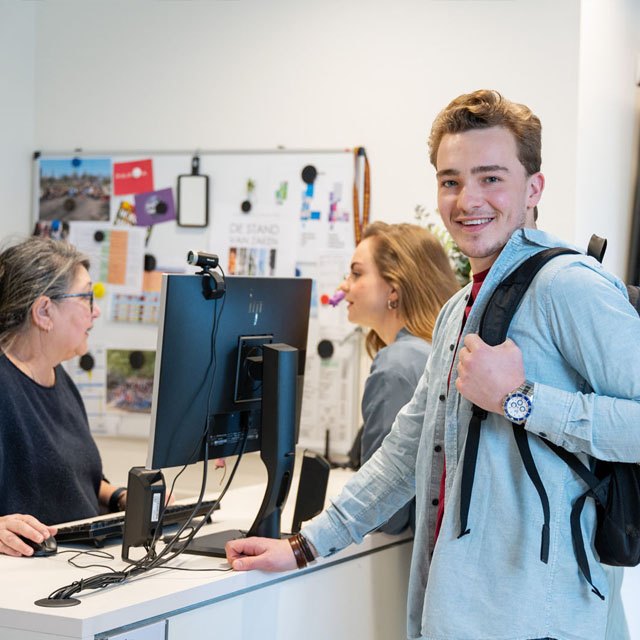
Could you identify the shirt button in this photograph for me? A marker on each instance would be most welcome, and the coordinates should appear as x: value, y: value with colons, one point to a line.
x: 542, y: 434
x: 442, y: 397
x: 434, y: 502
x: 437, y: 448
x: 452, y: 347
x: 466, y: 297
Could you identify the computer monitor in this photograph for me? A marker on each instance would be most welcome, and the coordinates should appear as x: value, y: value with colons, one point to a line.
x: 244, y: 387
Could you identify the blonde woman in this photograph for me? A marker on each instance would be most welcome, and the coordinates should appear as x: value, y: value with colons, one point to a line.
x: 399, y: 279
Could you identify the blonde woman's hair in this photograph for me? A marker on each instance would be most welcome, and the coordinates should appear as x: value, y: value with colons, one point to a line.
x: 413, y: 261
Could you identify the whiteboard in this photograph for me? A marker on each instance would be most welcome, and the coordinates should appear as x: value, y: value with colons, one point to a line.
x: 277, y: 213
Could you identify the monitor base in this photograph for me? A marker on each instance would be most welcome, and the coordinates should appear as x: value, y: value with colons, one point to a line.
x: 213, y: 544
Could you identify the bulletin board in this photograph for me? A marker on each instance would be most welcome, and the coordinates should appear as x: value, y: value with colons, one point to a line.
x: 264, y: 213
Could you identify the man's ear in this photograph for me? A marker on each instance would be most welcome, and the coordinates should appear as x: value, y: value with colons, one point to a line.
x: 41, y: 313
x: 535, y: 187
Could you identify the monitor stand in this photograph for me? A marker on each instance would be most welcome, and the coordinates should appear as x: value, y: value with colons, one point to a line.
x: 277, y: 449
x: 213, y: 543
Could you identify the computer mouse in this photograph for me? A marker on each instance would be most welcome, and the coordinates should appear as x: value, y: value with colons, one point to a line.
x: 45, y: 548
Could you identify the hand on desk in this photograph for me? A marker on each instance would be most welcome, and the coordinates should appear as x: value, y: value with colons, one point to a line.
x: 18, y: 524
x: 267, y: 554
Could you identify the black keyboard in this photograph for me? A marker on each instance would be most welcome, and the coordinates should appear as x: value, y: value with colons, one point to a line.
x: 96, y: 531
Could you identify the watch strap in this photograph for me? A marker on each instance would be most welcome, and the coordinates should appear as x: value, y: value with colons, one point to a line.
x: 525, y: 389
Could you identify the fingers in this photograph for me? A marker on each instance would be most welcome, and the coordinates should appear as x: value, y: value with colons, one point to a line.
x: 249, y: 563
x: 486, y: 374
x: 475, y: 346
x: 245, y: 547
x: 246, y: 554
x: 18, y: 524
x: 473, y: 341
x: 14, y: 547
x: 26, y: 525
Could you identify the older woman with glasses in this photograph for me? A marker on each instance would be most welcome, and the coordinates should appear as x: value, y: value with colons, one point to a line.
x: 50, y: 468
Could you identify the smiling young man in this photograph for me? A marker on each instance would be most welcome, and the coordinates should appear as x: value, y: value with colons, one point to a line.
x: 584, y: 387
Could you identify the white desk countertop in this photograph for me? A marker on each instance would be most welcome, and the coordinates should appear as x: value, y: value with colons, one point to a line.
x: 152, y: 595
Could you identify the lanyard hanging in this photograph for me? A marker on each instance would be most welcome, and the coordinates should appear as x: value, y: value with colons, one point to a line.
x: 358, y: 224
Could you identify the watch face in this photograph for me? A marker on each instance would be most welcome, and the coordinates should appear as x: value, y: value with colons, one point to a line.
x: 517, y: 407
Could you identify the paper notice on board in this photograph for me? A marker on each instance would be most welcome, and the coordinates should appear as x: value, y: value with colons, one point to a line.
x: 89, y: 373
x: 139, y: 309
x: 329, y: 401
x: 325, y: 215
x: 331, y: 371
x: 116, y: 255
x: 132, y: 177
x: 142, y: 309
x: 262, y: 245
x: 327, y: 271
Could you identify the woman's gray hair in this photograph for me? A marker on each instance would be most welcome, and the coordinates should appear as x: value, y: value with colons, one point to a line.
x: 33, y: 268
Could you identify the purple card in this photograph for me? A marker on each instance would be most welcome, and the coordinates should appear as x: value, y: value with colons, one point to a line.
x: 154, y: 207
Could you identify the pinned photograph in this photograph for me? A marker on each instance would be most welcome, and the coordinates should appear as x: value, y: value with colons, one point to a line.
x: 74, y: 189
x: 130, y: 380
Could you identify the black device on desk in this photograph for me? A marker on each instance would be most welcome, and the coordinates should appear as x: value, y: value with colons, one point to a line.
x: 96, y: 531
x: 243, y: 390
x: 45, y: 548
x: 312, y: 489
x: 145, y: 508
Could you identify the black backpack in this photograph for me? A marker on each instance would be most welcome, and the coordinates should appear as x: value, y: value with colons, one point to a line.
x: 615, y: 486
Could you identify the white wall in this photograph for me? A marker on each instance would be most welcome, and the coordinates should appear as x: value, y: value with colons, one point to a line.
x: 258, y: 73
x: 17, y: 82
x: 255, y: 74
x: 608, y: 142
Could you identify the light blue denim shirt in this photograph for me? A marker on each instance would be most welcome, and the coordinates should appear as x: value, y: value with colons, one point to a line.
x: 580, y: 340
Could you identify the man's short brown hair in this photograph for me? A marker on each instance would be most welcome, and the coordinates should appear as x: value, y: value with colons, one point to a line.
x: 483, y: 109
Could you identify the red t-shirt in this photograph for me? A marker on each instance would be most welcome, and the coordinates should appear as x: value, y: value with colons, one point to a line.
x: 478, y: 279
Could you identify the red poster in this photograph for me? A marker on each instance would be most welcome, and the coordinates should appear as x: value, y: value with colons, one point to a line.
x: 132, y: 177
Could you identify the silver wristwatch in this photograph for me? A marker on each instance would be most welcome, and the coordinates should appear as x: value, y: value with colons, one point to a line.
x: 518, y: 404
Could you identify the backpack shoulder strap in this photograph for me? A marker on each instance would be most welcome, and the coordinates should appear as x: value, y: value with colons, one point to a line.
x: 598, y: 490
x: 634, y: 296
x: 597, y: 247
x: 507, y: 296
x: 494, y: 325
x: 493, y: 329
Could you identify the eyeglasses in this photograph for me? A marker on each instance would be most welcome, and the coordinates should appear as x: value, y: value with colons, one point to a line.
x: 76, y: 295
